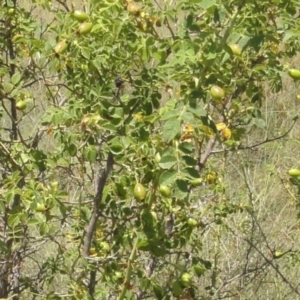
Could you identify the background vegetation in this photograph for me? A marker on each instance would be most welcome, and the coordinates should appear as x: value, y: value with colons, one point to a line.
x: 145, y: 150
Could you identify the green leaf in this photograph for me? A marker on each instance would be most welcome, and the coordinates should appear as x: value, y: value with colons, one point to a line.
x: 72, y: 149
x: 190, y: 161
x: 108, y: 125
x: 289, y: 34
x: 186, y: 147
x: 116, y: 148
x: 198, y: 111
x: 171, y: 129
x: 32, y: 222
x: 15, y: 78
x: 57, y: 118
x: 181, y: 188
x: 167, y: 162
x: 7, y: 87
x: 187, y: 117
x: 168, y: 177
x: 44, y: 228
x: 174, y: 113
x: 244, y: 41
x: 90, y: 154
x: 85, y: 52
x: 233, y: 38
x: 143, y: 245
x: 191, y: 172
x: 158, y: 291
x: 206, y: 4
x: 2, y: 206
x: 13, y: 220
x: 3, y: 247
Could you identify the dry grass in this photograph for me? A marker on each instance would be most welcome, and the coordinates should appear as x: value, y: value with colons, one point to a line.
x: 259, y: 179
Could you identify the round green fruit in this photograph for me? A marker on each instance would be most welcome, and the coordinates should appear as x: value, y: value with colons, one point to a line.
x: 157, y: 157
x: 236, y: 49
x: 278, y: 254
x: 104, y: 246
x: 217, y: 92
x: 61, y: 47
x: 192, y: 222
x: 11, y: 11
x: 85, y: 28
x: 40, y: 208
x: 199, y: 270
x: 294, y: 73
x: 21, y: 105
x: 80, y: 15
x: 139, y: 192
x: 133, y: 8
x: 186, y: 279
x: 84, y: 67
x: 294, y: 172
x: 196, y: 182
x: 164, y: 191
x: 118, y: 275
x: 54, y: 185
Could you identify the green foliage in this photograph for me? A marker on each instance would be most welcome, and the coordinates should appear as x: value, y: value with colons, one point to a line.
x: 117, y: 89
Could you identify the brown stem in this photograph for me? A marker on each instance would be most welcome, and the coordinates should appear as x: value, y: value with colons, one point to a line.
x: 96, y: 203
x: 89, y: 233
x: 207, y: 153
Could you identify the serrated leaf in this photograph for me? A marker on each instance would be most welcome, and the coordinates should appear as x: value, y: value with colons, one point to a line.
x: 32, y: 222
x: 168, y: 177
x: 289, y: 34
x: 187, y: 116
x: 182, y: 185
x: 116, y: 148
x: 3, y: 246
x: 143, y: 245
x: 244, y: 41
x: 174, y: 113
x: 206, y: 4
x: 190, y: 161
x: 225, y: 58
x: 72, y: 149
x: 90, y: 154
x: 187, y: 148
x: 167, y: 162
x: 44, y: 228
x: 108, y: 126
x: 13, y: 220
x: 233, y: 38
x: 15, y: 78
x: 191, y: 172
x: 85, y: 52
x: 171, y: 129
x: 198, y: 111
x: 8, y: 87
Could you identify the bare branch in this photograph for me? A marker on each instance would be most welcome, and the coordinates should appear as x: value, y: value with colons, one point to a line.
x: 97, y: 200
x: 207, y: 153
x: 268, y: 140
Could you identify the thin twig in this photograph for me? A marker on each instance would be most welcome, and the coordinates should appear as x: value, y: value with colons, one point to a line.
x: 267, y: 140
